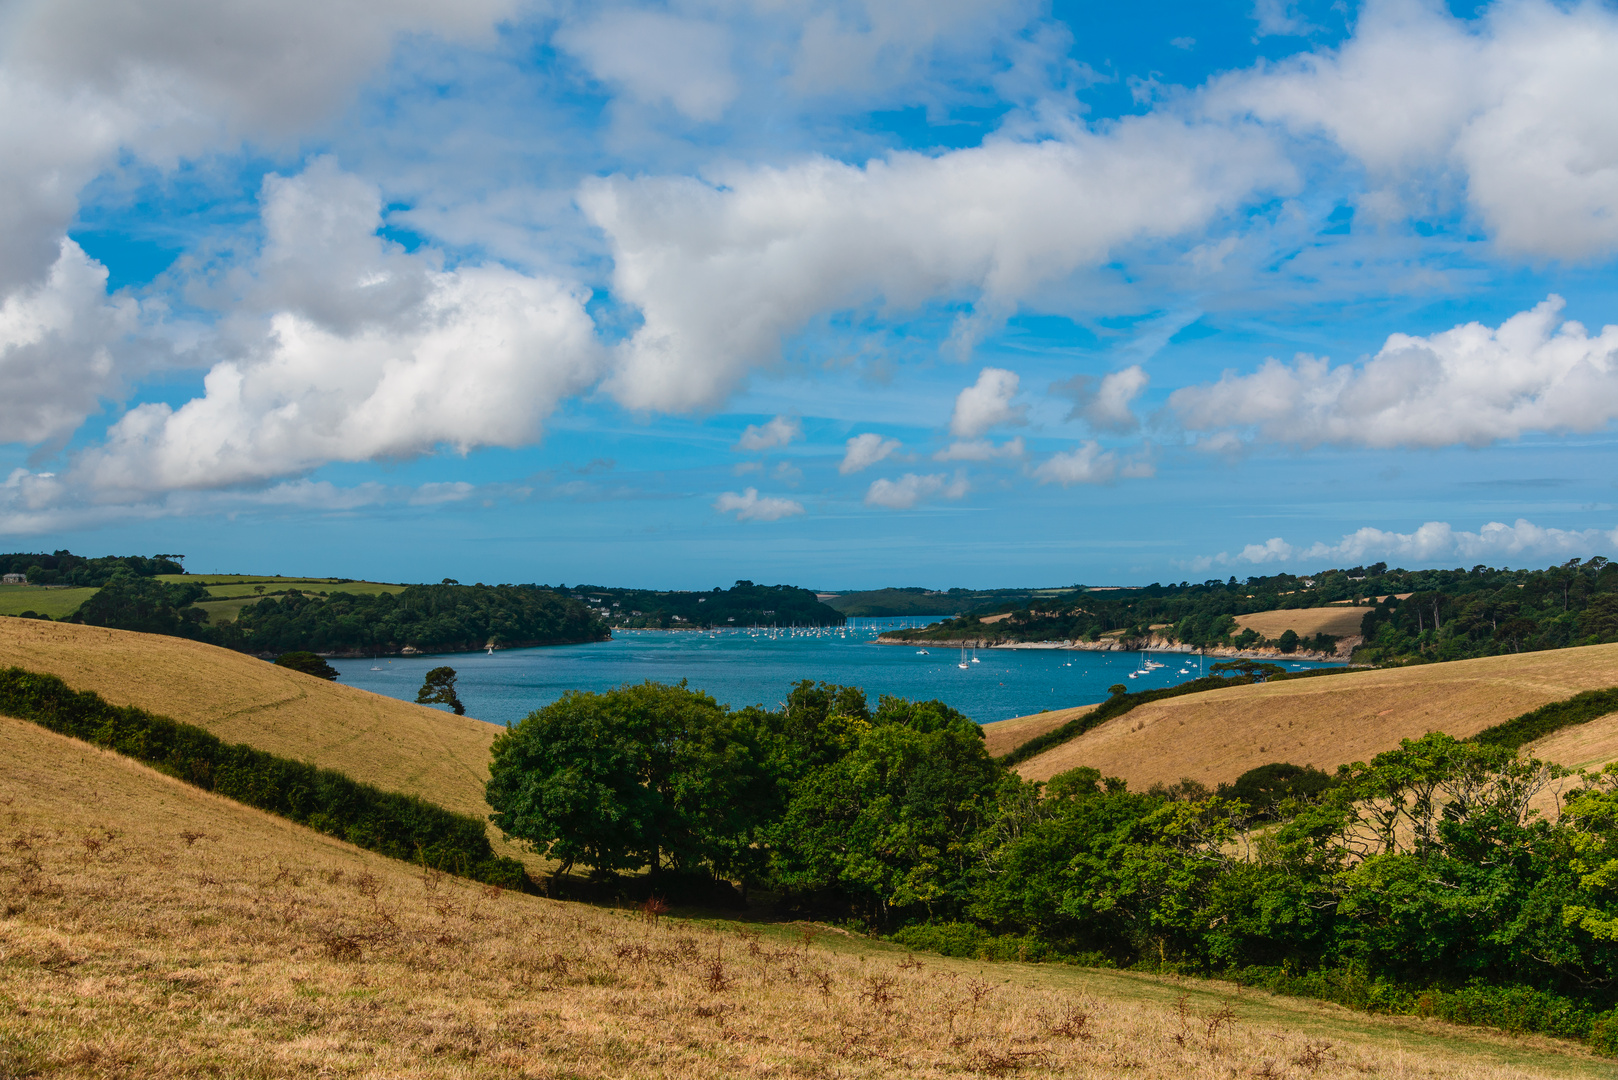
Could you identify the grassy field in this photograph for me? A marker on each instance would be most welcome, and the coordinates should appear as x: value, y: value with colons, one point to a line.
x: 251, y: 586
x: 1004, y: 736
x: 148, y: 929
x: 1217, y: 736
x: 220, y: 611
x: 234, y: 591
x: 16, y: 599
x: 1306, y: 622
x: 393, y: 744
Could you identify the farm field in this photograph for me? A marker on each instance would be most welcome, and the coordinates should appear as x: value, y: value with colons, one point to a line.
x: 16, y: 599
x: 249, y: 587
x: 1216, y: 736
x: 154, y: 930
x: 1306, y: 622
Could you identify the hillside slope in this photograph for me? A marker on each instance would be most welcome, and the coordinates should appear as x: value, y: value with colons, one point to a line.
x: 1216, y: 736
x: 150, y: 929
x: 393, y: 744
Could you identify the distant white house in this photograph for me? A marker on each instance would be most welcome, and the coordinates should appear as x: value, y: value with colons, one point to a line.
x: 14, y: 579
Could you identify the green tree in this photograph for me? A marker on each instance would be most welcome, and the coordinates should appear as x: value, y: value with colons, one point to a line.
x: 310, y: 664
x: 888, y: 826
x: 144, y: 604
x: 1289, y: 641
x: 653, y: 776
x: 438, y: 688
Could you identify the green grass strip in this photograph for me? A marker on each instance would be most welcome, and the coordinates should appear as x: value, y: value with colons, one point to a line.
x: 1122, y: 703
x: 393, y: 824
x: 1536, y: 724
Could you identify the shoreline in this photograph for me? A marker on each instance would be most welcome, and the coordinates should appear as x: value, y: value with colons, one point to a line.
x: 1343, y: 655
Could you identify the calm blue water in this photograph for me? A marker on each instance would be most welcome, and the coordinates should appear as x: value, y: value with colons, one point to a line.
x: 742, y: 668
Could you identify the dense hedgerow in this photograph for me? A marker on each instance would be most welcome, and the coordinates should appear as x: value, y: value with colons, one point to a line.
x: 400, y: 826
x: 1537, y: 723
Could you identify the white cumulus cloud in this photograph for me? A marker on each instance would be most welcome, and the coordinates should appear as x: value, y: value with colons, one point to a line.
x: 55, y: 348
x: 1104, y: 404
x: 778, y: 432
x: 864, y: 451
x: 986, y: 404
x: 724, y: 268
x: 909, y: 489
x: 1434, y: 542
x: 1470, y: 385
x: 1518, y: 105
x: 657, y: 56
x: 365, y: 352
x: 751, y: 506
x: 1086, y: 464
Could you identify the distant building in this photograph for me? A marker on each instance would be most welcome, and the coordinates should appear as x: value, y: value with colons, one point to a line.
x: 14, y: 579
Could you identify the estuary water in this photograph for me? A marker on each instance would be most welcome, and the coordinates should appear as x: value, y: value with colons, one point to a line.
x: 759, y: 667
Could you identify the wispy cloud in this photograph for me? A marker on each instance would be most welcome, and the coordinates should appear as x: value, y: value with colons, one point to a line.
x: 777, y: 432
x: 910, y: 489
x: 751, y: 506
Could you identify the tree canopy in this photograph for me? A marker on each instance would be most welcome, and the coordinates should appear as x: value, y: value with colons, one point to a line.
x: 1422, y: 871
x: 308, y: 663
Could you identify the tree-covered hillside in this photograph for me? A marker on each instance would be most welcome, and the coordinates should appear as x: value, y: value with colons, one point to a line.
x: 428, y: 618
x: 743, y: 604
x: 66, y: 568
x: 1410, y: 614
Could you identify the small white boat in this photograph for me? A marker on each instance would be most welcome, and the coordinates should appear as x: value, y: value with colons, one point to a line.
x: 921, y: 652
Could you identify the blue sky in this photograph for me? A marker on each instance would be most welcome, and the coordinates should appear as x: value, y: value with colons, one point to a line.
x: 839, y: 292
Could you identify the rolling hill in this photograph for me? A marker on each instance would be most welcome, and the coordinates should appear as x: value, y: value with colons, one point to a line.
x: 393, y: 744
x: 1214, y: 737
x: 150, y: 929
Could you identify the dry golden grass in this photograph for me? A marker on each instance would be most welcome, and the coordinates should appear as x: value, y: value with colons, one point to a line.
x: 148, y: 929
x: 1004, y: 736
x: 1306, y: 622
x: 1216, y: 736
x: 393, y: 744
x: 1586, y: 746
x: 396, y: 745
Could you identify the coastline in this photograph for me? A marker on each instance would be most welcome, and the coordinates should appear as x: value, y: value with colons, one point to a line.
x: 1344, y: 653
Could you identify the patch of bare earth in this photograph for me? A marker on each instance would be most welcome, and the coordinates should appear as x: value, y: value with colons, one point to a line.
x: 148, y: 929
x: 1216, y: 736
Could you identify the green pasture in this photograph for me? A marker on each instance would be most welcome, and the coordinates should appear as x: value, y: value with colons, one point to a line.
x: 16, y: 599
x: 256, y: 587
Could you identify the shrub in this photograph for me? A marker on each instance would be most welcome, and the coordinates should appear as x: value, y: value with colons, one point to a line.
x: 970, y: 942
